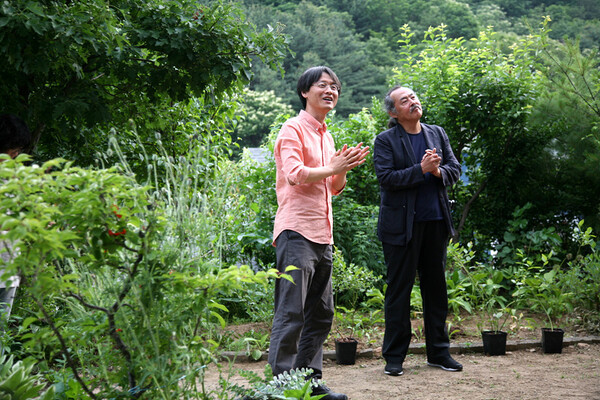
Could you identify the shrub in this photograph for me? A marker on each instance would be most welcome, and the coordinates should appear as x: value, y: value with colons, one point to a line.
x: 582, y: 278
x: 355, y: 234
x: 18, y: 382
x: 350, y: 282
x: 126, y: 281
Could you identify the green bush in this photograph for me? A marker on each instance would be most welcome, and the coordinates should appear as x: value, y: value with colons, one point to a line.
x: 249, y: 235
x: 581, y: 278
x: 253, y: 302
x: 19, y: 383
x: 126, y: 281
x: 355, y: 233
x: 521, y: 240
x: 351, y: 282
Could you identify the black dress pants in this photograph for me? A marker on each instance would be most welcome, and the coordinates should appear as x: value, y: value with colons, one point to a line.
x: 425, y: 254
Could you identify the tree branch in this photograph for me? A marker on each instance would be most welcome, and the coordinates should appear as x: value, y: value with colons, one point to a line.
x: 467, y: 209
x: 64, y: 348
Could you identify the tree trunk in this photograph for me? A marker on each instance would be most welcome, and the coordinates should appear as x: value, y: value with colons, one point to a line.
x: 467, y: 209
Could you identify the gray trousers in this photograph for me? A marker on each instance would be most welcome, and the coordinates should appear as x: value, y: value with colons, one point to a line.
x: 7, y: 296
x: 303, y: 309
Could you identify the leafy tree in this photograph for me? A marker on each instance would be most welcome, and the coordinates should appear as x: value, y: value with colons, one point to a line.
x: 72, y: 66
x: 482, y: 99
x: 493, y: 15
x: 389, y: 16
x: 570, y: 111
x: 258, y: 112
x: 457, y: 16
x: 572, y: 21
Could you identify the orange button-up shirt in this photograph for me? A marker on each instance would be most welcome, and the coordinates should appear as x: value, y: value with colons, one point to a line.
x: 304, y: 143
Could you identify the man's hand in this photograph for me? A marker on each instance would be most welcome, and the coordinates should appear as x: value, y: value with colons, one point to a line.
x: 431, y: 162
x: 347, y: 158
x: 341, y: 162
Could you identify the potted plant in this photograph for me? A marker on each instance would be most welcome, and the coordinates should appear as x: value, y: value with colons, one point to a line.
x: 345, y: 344
x: 545, y: 294
x: 496, y: 310
x: 494, y: 338
x: 555, y: 303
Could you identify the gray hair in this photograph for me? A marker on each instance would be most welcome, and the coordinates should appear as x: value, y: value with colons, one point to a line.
x: 390, y: 106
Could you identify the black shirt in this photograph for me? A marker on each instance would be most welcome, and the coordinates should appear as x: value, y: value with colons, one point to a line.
x: 427, y: 207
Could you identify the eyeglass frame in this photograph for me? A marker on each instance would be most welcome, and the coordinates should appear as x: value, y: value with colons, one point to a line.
x: 323, y: 85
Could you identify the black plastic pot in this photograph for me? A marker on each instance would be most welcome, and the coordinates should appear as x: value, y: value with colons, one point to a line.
x: 552, y: 340
x: 345, y: 351
x: 494, y: 343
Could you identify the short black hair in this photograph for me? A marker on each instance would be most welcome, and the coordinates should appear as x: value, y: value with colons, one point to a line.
x: 312, y: 75
x: 14, y: 134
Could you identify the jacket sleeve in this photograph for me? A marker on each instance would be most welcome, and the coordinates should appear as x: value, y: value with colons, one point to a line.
x: 392, y: 165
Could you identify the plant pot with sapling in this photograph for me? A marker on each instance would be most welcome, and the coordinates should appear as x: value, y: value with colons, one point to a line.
x: 496, y: 309
x: 545, y: 294
x: 345, y: 343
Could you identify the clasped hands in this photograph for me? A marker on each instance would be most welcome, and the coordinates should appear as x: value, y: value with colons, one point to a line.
x: 431, y: 162
x: 347, y: 158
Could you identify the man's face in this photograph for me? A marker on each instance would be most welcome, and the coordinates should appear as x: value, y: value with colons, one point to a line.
x: 407, y: 104
x: 322, y: 95
x: 13, y: 153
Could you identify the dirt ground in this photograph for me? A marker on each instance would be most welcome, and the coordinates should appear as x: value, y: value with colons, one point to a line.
x: 526, y: 374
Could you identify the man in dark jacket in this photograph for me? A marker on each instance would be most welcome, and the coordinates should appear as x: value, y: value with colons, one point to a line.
x: 414, y: 164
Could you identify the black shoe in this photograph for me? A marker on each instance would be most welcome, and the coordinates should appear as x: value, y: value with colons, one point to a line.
x: 447, y: 364
x: 393, y: 370
x: 329, y: 395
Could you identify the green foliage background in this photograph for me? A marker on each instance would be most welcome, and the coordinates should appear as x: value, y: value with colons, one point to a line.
x: 156, y: 233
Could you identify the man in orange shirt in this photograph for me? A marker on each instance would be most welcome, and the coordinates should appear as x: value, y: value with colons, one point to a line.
x: 309, y: 172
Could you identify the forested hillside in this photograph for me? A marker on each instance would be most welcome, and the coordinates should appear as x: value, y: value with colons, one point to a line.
x: 359, y: 38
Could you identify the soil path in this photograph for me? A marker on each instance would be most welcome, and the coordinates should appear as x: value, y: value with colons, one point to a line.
x: 519, y: 375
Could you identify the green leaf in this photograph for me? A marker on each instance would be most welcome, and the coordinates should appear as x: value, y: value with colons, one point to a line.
x: 28, y: 321
x: 255, y: 354
x: 214, y: 304
x: 219, y: 318
x: 35, y: 8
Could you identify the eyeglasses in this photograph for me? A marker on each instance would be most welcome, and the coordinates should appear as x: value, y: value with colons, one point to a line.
x: 323, y: 85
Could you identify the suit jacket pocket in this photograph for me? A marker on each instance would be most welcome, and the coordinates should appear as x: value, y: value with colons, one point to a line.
x: 392, y: 220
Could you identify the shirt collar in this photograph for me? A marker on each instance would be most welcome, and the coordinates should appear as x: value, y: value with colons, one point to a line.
x: 312, y: 122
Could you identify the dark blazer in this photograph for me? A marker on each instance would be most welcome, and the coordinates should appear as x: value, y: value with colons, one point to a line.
x: 399, y: 173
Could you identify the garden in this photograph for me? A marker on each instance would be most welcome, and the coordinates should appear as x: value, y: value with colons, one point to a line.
x: 143, y: 241
x: 123, y: 293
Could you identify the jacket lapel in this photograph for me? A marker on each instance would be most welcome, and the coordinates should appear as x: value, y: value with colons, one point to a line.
x: 432, y: 140
x: 406, y: 144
